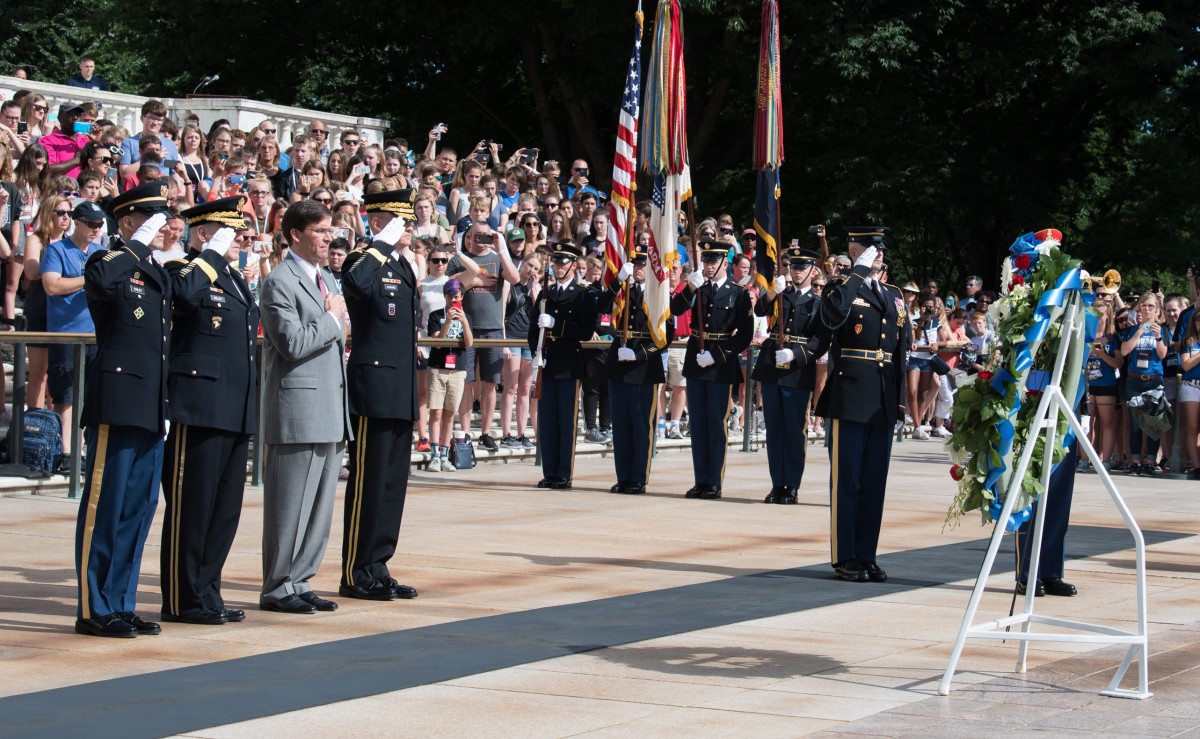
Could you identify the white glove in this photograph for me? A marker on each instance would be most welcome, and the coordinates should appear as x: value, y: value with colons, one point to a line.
x: 626, y: 271
x: 148, y: 231
x: 705, y: 359
x: 696, y: 279
x: 784, y: 356
x: 545, y: 320
x: 221, y: 241
x: 625, y: 354
x: 780, y: 284
x: 392, y: 232
x: 867, y: 258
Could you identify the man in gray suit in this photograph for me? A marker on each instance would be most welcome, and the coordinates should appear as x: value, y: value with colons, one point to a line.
x: 305, y: 417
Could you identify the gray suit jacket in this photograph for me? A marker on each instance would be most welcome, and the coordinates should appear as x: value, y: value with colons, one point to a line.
x: 304, y: 375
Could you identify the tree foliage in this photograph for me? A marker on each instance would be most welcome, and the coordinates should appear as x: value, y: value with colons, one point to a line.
x: 959, y: 124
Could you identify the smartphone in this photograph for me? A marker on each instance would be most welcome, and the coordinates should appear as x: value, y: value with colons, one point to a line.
x: 485, y: 238
x: 223, y: 157
x: 242, y: 260
x: 171, y: 164
x: 342, y: 233
x: 83, y: 127
x: 237, y: 179
x: 529, y: 157
x: 111, y: 175
x: 457, y: 305
x: 1154, y: 286
x: 361, y: 169
x: 251, y: 173
x: 22, y: 127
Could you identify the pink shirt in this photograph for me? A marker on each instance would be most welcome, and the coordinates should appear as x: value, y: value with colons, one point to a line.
x: 62, y: 148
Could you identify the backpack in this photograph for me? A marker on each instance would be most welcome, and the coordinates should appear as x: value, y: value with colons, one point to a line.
x: 41, y: 442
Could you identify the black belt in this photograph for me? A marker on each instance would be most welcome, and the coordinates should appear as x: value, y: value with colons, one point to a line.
x: 640, y: 335
x: 1147, y: 377
x: 717, y: 337
x: 870, y: 355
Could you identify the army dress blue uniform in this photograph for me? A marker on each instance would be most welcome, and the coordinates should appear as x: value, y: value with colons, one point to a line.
x: 213, y: 389
x: 863, y: 397
x: 633, y: 390
x: 723, y: 315
x: 381, y: 298
x: 786, y: 389
x: 573, y: 309
x: 124, y: 416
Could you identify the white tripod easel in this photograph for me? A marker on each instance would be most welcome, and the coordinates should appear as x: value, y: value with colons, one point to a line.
x: 1053, y: 405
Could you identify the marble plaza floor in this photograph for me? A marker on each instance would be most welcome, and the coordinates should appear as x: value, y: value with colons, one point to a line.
x: 565, y: 613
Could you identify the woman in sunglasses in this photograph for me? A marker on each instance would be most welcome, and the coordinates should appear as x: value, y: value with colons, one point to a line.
x: 53, y: 221
x: 535, y: 234
x: 101, y: 160
x: 33, y: 112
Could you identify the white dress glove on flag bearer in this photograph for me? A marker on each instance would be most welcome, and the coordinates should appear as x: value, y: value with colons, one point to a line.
x: 148, y: 231
x: 221, y: 241
x: 780, y: 284
x: 696, y: 279
x: 784, y: 356
x: 545, y: 321
x: 867, y: 258
x: 626, y: 271
x: 705, y: 359
x: 392, y: 232
x: 625, y: 354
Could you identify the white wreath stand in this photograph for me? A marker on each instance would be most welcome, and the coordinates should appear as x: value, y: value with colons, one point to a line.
x: 1054, y: 405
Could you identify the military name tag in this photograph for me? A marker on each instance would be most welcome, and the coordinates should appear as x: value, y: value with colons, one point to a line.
x: 138, y: 290
x: 218, y: 299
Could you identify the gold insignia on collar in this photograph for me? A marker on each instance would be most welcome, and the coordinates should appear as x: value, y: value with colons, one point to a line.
x: 138, y: 313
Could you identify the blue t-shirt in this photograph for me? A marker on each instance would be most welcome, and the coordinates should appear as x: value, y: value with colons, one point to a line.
x: 130, y: 150
x: 1144, y: 359
x: 1192, y: 347
x: 68, y: 313
x: 1099, y: 372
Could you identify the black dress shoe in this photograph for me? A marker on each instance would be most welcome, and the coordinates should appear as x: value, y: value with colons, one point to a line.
x: 545, y: 482
x: 1038, y: 591
x: 1056, y: 586
x: 404, y: 592
x: 233, y: 615
x: 694, y: 491
x: 373, y: 590
x: 711, y: 492
x: 787, y: 497
x: 202, y: 618
x: 560, y: 484
x: 111, y: 625
x: 320, y: 604
x: 875, y: 573
x: 851, y: 571
x: 288, y: 604
x: 143, y: 628
x: 634, y: 488
x: 773, y: 496
x: 619, y: 487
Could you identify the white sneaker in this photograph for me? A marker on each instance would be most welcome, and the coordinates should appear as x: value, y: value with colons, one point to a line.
x: 942, y: 432
x: 435, y: 464
x: 926, y: 427
x: 920, y: 433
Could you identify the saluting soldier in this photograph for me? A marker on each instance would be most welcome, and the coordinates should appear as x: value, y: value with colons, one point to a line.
x: 863, y: 396
x: 635, y: 370
x: 124, y: 414
x: 381, y: 296
x: 213, y: 388
x: 786, y: 370
x: 723, y: 320
x: 568, y: 317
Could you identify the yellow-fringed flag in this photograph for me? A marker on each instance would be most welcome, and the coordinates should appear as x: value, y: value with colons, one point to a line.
x: 664, y: 155
x: 768, y: 146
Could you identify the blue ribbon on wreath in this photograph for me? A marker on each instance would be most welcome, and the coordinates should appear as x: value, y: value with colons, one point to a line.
x: 1067, y: 283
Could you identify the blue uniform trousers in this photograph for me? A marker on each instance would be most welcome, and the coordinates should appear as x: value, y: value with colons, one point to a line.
x: 558, y: 418
x: 859, y: 457
x: 124, y: 471
x: 1054, y: 529
x: 634, y: 414
x: 708, y: 414
x: 784, y: 411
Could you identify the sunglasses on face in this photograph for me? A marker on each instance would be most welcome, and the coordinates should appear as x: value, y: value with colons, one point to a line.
x: 324, y: 201
x: 269, y: 131
x: 61, y: 213
x: 438, y: 260
x: 40, y: 108
x: 350, y: 142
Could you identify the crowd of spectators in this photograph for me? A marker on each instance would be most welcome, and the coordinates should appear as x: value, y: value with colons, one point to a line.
x: 485, y: 223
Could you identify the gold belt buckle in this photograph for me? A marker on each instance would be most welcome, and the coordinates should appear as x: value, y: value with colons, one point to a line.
x: 879, y: 355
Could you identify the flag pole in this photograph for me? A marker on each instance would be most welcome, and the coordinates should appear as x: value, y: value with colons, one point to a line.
x: 627, y: 286
x: 779, y: 270
x: 697, y: 312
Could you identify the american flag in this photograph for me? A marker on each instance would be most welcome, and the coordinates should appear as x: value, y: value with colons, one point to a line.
x: 620, y: 207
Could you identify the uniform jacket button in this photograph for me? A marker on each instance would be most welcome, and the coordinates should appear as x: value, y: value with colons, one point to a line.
x: 118, y: 369
x: 376, y: 363
x: 193, y: 372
